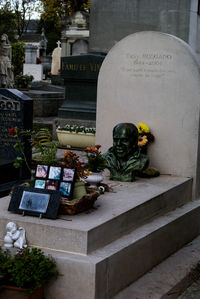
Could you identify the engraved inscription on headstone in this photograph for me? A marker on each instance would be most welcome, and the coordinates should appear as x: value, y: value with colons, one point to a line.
x: 148, y: 65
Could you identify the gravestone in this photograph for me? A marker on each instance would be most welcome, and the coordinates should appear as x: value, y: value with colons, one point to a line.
x: 153, y: 78
x: 56, y: 55
x: 15, y: 110
x: 80, y: 75
x: 110, y: 21
x: 30, y: 67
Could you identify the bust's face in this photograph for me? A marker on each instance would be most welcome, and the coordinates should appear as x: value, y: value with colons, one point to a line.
x: 122, y: 143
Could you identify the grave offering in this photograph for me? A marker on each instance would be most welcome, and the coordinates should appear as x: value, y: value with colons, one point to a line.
x: 76, y: 136
x: 15, y: 237
x: 15, y: 110
x: 154, y: 78
x: 80, y: 76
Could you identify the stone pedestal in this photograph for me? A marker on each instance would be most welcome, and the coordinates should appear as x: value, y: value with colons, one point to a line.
x: 130, y: 230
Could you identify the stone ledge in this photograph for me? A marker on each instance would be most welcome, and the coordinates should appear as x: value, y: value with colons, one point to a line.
x: 116, y: 213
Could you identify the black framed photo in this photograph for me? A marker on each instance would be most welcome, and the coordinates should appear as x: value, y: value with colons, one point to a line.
x: 65, y: 188
x: 55, y: 178
x: 40, y: 184
x: 51, y: 185
x: 54, y: 172
x: 35, y: 202
x: 41, y: 171
x: 68, y: 174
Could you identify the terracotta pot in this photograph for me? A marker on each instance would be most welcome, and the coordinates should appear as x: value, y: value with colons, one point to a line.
x: 10, y: 292
x: 69, y: 139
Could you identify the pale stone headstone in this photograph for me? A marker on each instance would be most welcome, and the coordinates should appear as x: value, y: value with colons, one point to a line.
x: 56, y: 55
x: 153, y: 78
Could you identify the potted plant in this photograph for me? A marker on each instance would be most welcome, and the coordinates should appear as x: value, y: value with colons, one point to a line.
x: 25, y: 273
x: 96, y: 164
x: 23, y: 81
x: 76, y: 136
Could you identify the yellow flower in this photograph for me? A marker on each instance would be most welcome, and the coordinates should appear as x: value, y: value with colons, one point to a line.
x: 142, y: 128
x: 87, y: 172
x: 142, y: 140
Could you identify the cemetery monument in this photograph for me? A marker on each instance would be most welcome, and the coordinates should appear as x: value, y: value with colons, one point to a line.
x: 124, y: 159
x: 56, y: 56
x: 148, y: 77
x: 80, y: 73
x: 6, y: 72
x: 16, y: 110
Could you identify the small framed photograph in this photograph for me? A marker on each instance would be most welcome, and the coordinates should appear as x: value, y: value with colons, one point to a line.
x: 40, y: 184
x: 35, y: 202
x: 65, y: 189
x: 51, y: 185
x: 41, y: 171
x: 68, y: 174
x: 54, y: 172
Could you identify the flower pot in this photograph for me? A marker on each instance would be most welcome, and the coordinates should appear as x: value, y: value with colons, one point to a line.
x: 94, y: 179
x: 69, y: 139
x: 79, y: 190
x: 10, y: 292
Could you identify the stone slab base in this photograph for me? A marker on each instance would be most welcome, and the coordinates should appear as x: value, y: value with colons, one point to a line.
x: 169, y: 279
x: 131, y: 230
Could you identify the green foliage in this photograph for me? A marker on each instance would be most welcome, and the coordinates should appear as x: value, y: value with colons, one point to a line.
x: 45, y: 148
x: 7, y: 23
x: 23, y: 81
x: 96, y: 162
x: 18, y: 56
x: 28, y: 269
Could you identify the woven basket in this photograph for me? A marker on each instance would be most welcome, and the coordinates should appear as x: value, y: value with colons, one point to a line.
x: 78, y: 205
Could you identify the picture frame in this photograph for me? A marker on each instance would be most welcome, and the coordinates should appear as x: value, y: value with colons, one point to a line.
x: 43, y: 203
x: 55, y: 178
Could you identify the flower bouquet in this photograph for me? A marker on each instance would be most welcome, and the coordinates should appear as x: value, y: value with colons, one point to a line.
x: 145, y: 137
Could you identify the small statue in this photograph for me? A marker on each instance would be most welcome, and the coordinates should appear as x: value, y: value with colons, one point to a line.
x: 124, y: 159
x: 15, y: 237
x: 6, y: 73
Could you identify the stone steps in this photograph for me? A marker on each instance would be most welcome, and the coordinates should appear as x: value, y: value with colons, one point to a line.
x: 168, y: 279
x: 130, y: 231
x: 112, y: 268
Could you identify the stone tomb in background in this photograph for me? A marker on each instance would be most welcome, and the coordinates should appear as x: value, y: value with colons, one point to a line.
x: 153, y: 78
x: 16, y: 109
x: 80, y: 75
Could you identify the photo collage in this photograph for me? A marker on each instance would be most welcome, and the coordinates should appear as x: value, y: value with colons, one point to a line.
x: 55, y: 178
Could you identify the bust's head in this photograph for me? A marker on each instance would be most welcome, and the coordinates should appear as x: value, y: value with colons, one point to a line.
x: 125, y: 140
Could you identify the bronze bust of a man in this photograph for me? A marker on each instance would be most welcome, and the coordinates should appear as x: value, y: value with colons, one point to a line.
x: 124, y: 159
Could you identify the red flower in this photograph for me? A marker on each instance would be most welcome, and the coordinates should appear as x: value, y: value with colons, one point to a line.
x: 98, y: 146
x: 14, y: 131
